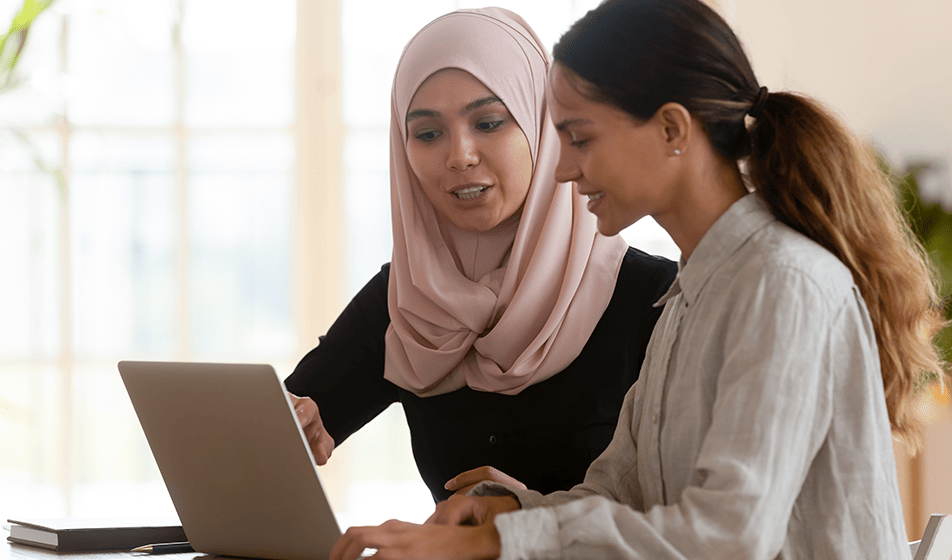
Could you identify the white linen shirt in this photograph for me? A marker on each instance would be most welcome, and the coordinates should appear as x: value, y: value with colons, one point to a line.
x: 758, y: 428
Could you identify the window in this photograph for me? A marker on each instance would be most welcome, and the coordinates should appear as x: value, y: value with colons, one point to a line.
x: 172, y: 123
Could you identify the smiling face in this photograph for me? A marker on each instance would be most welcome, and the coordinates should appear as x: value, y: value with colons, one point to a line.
x: 620, y: 163
x: 471, y: 158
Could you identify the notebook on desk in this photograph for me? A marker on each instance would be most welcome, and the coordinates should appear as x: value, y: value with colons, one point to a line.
x: 233, y: 457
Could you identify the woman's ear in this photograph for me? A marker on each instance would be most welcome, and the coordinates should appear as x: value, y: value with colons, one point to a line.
x: 676, y: 122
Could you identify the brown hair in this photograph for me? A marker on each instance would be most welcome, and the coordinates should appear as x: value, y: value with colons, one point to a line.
x: 814, y: 173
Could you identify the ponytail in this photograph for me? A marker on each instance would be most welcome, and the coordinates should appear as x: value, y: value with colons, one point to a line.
x: 820, y: 180
x: 812, y: 171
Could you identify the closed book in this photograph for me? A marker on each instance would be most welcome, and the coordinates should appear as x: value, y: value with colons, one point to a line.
x: 75, y: 534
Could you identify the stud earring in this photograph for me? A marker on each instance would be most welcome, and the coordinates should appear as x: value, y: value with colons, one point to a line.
x: 677, y: 152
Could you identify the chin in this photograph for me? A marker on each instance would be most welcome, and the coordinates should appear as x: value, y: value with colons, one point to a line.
x: 608, y: 229
x: 618, y: 223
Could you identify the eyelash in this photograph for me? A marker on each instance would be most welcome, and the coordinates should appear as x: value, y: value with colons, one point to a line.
x: 493, y: 125
x: 431, y: 135
x: 421, y: 135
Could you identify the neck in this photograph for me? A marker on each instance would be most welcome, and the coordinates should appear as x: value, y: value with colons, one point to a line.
x: 709, y: 187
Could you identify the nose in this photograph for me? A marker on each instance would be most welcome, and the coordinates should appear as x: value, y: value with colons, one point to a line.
x: 567, y: 169
x: 463, y: 152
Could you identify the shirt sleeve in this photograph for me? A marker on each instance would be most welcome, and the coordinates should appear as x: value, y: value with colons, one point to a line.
x: 769, y: 417
x: 344, y: 373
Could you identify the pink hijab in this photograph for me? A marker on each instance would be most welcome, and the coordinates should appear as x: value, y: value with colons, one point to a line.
x: 504, y: 309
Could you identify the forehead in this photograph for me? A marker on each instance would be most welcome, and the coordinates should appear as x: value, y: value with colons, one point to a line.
x: 448, y: 88
x: 560, y: 91
x: 570, y: 108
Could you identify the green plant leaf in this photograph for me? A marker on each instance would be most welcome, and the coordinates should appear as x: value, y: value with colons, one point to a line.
x: 13, y: 41
x: 28, y: 13
x: 938, y: 244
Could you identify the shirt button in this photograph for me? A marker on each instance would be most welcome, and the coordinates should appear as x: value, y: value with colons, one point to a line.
x: 654, y: 418
x: 492, y: 440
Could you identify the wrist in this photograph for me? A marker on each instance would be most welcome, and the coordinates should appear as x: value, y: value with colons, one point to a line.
x: 512, y: 503
x: 501, y: 504
x: 486, y: 541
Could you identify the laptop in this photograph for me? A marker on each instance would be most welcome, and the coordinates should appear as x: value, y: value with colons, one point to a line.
x: 233, y: 457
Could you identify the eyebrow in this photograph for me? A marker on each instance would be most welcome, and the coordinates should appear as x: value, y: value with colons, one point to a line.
x: 471, y: 106
x: 489, y: 100
x: 570, y: 122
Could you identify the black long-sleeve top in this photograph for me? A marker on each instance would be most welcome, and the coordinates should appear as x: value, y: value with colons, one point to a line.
x: 546, y: 436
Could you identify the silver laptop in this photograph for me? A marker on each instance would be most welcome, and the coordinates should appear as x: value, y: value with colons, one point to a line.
x: 234, y: 459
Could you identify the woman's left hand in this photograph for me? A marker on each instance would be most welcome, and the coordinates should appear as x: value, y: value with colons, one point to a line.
x: 398, y: 540
x: 463, y: 482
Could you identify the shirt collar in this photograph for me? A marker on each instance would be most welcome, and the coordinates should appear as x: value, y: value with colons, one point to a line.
x: 739, y: 223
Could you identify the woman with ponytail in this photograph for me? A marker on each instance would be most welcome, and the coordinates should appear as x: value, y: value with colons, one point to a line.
x: 791, y: 342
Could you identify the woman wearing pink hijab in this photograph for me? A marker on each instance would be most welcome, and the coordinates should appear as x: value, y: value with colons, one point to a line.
x: 506, y: 325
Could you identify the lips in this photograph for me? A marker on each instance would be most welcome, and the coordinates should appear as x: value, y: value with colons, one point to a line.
x: 592, y: 195
x: 594, y: 199
x: 468, y: 191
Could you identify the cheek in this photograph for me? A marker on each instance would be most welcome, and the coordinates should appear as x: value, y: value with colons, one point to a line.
x: 518, y: 162
x: 607, y: 169
x: 623, y: 169
x: 421, y: 164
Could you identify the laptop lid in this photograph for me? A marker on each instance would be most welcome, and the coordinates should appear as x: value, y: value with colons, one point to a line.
x: 233, y: 457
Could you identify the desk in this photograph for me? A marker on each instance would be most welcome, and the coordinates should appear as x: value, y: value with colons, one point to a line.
x: 10, y: 551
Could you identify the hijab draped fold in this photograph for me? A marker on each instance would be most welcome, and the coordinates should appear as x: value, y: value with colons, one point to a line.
x: 507, y: 308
